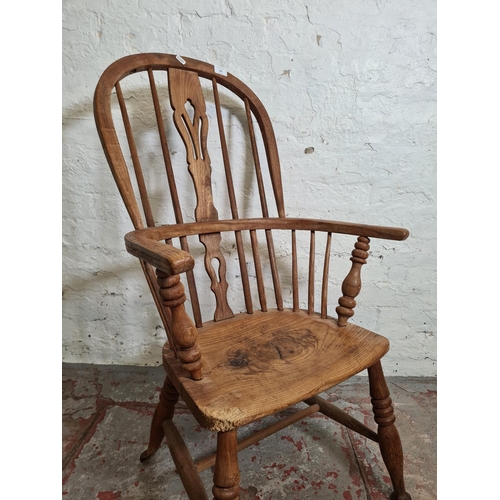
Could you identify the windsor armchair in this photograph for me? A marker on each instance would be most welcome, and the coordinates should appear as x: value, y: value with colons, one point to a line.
x: 240, y: 366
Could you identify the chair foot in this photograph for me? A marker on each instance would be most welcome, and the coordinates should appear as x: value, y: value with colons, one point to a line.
x: 389, y: 441
x: 164, y: 410
x: 146, y: 454
x: 404, y: 496
x: 227, y: 475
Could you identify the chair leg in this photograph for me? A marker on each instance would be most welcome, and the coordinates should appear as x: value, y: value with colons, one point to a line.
x: 389, y: 441
x: 227, y: 475
x: 164, y: 410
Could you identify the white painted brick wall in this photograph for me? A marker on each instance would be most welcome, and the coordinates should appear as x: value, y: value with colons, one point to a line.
x: 355, y: 80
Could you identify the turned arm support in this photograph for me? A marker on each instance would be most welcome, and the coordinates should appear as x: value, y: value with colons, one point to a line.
x: 351, y: 285
x: 170, y: 262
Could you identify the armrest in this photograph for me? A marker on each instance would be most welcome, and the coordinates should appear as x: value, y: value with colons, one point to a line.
x: 167, y: 258
x: 145, y: 237
x: 352, y: 228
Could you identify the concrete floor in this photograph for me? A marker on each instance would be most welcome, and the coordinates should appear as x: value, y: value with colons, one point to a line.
x: 107, y: 411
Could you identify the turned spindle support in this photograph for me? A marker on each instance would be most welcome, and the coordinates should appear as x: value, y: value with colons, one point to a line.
x: 183, y: 329
x: 227, y: 474
x: 388, y: 436
x: 351, y: 285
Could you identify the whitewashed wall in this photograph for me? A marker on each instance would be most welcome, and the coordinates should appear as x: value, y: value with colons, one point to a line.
x: 353, y: 79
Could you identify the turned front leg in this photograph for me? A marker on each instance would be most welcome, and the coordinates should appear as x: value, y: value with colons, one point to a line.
x: 352, y: 282
x: 183, y: 329
x: 164, y: 410
x: 227, y: 475
x: 388, y: 436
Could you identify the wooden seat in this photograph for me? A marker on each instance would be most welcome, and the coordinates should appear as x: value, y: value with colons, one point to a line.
x: 244, y: 376
x: 279, y: 344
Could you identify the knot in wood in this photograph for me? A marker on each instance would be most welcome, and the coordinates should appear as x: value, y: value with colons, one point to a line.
x: 281, y: 346
x: 239, y: 360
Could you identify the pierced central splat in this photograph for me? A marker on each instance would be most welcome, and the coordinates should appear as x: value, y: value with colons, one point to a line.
x: 190, y: 118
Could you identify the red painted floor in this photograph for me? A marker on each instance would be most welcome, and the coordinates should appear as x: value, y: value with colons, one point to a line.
x: 106, y: 416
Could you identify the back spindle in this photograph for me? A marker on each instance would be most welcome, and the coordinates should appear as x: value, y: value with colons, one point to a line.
x: 265, y: 211
x: 326, y: 269
x: 135, y: 158
x: 295, y: 273
x: 310, y: 295
x: 258, y: 270
x: 274, y: 270
x: 352, y: 282
x: 232, y: 200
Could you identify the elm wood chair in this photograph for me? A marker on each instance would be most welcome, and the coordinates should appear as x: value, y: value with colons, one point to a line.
x: 241, y: 366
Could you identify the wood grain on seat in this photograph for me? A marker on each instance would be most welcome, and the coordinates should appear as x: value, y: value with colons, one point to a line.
x: 258, y: 364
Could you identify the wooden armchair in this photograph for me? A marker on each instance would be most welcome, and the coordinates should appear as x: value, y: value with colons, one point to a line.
x: 240, y: 366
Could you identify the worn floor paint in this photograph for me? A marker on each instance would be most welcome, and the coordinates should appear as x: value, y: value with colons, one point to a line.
x: 107, y: 411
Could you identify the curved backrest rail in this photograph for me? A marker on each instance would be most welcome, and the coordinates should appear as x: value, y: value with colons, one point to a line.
x: 153, y: 62
x: 185, y: 89
x: 184, y: 86
x: 114, y: 156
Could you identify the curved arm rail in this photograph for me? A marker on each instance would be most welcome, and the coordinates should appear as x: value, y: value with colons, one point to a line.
x: 144, y: 243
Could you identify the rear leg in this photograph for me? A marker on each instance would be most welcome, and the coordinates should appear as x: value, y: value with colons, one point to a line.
x: 164, y: 411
